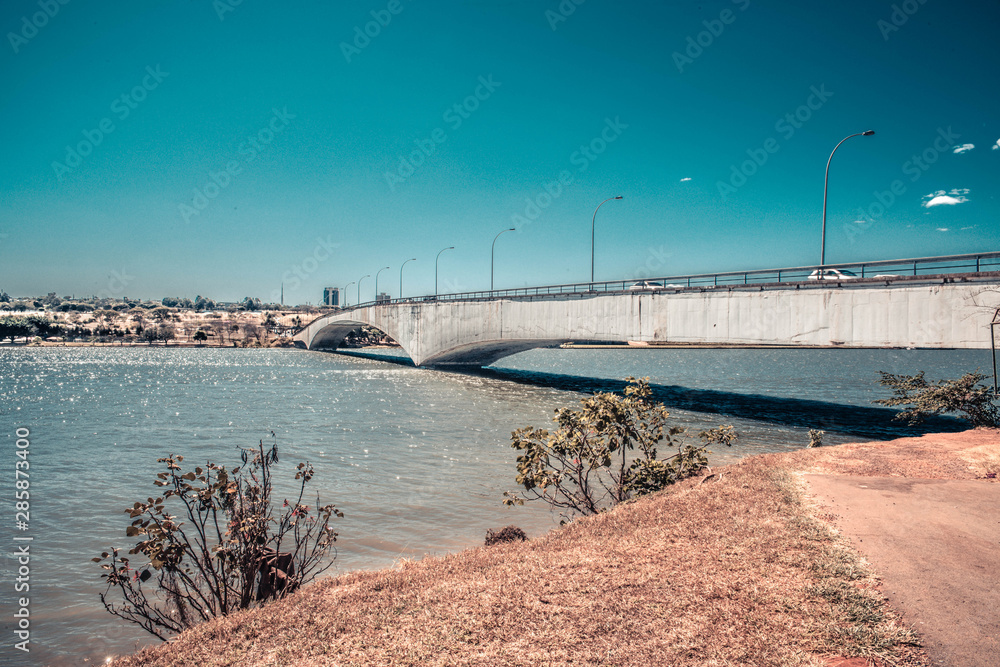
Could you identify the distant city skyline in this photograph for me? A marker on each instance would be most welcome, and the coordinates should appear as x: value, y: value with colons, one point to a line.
x: 226, y: 149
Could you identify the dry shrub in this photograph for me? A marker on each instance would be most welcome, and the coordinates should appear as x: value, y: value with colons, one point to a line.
x: 506, y: 534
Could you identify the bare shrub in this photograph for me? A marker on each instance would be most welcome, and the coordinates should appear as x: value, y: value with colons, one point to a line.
x: 226, y: 551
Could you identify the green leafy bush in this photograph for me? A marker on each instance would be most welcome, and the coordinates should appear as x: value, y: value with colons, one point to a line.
x: 974, y: 402
x: 606, y: 453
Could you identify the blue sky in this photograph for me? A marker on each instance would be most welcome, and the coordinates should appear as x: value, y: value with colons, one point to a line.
x: 181, y: 148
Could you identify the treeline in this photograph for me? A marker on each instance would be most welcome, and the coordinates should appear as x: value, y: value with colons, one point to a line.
x: 53, y: 303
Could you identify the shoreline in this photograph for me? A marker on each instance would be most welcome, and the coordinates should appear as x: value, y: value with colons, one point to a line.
x: 733, y: 565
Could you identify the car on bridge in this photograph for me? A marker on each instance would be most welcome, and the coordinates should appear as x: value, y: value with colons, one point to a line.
x: 833, y: 274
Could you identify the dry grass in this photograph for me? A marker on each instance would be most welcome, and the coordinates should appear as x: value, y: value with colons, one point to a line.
x: 966, y: 455
x: 732, y: 571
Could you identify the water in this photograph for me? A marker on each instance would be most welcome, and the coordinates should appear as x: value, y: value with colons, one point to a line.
x: 417, y: 459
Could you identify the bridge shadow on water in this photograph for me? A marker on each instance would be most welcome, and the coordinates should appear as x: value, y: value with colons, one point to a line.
x: 861, y: 421
x: 867, y: 422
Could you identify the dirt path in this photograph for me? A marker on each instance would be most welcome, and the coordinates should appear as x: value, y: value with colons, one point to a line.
x: 935, y: 543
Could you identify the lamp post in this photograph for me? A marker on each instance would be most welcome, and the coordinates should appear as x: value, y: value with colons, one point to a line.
x: 384, y: 268
x: 412, y: 259
x: 826, y: 181
x: 492, y: 247
x: 359, y: 285
x: 345, y: 292
x: 593, y: 222
x: 436, y: 267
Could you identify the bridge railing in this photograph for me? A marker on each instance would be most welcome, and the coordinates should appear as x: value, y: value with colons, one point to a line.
x: 882, y: 269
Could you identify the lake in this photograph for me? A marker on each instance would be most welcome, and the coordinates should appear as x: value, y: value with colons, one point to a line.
x: 417, y: 459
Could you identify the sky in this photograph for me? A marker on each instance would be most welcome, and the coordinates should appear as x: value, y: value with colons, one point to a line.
x: 228, y: 148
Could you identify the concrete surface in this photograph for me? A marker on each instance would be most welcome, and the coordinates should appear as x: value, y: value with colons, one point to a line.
x: 936, y: 546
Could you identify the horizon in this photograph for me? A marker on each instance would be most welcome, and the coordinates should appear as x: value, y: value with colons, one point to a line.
x: 311, y: 146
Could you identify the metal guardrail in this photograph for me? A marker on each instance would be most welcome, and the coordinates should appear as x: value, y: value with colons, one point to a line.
x: 888, y: 269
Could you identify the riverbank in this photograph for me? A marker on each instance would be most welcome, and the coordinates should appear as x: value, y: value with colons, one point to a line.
x: 737, y: 568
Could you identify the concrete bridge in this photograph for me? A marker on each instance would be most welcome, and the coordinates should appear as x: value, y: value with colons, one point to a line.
x: 924, y: 311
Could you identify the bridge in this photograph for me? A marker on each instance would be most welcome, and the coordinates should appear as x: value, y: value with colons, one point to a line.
x: 937, y: 302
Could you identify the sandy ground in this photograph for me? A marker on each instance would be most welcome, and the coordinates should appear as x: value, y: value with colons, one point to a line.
x: 925, y: 515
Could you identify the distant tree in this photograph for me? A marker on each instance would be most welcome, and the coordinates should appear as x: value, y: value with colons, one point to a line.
x: 4, y: 297
x: 220, y: 327
x: 170, y: 301
x: 15, y: 327
x: 166, y: 332
x: 200, y: 336
x: 606, y: 453
x: 43, y: 326
x: 251, y: 330
x: 161, y: 313
x: 974, y: 402
x: 185, y: 303
x: 107, y: 315
x: 201, y: 303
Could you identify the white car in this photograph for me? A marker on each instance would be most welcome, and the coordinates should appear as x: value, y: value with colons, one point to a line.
x: 833, y: 274
x: 645, y: 285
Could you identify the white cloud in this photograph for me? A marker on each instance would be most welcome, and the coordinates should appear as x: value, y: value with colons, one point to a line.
x: 685, y: 179
x: 964, y: 148
x: 943, y: 198
x: 996, y: 145
x: 942, y: 229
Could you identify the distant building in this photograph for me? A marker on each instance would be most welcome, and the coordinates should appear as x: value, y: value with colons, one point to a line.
x: 331, y: 296
x: 382, y: 298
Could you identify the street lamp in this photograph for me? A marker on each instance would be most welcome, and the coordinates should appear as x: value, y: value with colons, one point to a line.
x: 436, y: 267
x: 491, y: 254
x: 345, y: 292
x: 592, y: 223
x: 412, y: 259
x: 826, y: 181
x: 384, y: 268
x: 359, y: 285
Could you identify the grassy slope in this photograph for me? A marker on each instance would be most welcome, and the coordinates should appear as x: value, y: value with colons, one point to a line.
x: 732, y: 571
